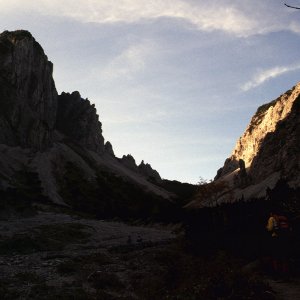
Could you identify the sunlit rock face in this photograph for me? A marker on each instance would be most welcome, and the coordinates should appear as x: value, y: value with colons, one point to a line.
x: 279, y: 151
x: 263, y: 124
x: 28, y: 98
x: 270, y: 147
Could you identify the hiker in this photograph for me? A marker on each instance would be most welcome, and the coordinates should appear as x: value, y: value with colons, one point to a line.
x: 279, y: 228
x: 272, y: 225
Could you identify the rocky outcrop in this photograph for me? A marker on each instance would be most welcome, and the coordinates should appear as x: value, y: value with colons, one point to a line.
x: 280, y: 149
x: 28, y: 96
x: 265, y: 122
x: 150, y: 173
x: 144, y: 169
x: 269, y: 149
x: 129, y: 162
x: 57, y: 138
x: 108, y: 148
x: 78, y: 120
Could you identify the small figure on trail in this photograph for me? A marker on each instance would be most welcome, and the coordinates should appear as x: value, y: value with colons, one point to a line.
x: 279, y: 227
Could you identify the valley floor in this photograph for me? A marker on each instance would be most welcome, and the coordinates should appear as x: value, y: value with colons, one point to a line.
x: 54, y: 255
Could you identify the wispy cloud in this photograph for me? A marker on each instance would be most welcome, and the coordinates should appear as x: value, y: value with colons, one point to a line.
x: 268, y: 74
x: 228, y: 16
x: 129, y: 62
x: 203, y: 15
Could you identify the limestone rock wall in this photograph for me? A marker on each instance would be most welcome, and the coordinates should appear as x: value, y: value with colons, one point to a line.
x: 43, y: 132
x: 77, y: 119
x: 28, y: 98
x: 262, y: 134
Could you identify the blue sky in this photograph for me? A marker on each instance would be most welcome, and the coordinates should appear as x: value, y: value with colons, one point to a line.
x: 175, y: 82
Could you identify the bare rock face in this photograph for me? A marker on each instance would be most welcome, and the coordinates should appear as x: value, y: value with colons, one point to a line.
x: 109, y: 149
x: 52, y: 136
x: 280, y: 149
x: 28, y: 98
x: 143, y: 169
x: 263, y: 123
x: 77, y: 119
x: 150, y: 173
x: 269, y: 146
x: 129, y: 161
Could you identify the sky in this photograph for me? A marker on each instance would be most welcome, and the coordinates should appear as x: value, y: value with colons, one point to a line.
x: 175, y: 82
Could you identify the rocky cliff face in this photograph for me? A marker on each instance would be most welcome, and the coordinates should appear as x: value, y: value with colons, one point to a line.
x: 54, y: 136
x: 78, y: 120
x: 269, y: 149
x: 28, y: 96
x: 143, y: 169
x: 263, y: 123
x: 147, y: 170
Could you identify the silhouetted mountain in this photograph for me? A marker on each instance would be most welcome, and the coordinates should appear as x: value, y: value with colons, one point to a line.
x: 59, y: 138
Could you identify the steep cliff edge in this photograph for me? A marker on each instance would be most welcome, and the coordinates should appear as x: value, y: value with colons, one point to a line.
x: 143, y: 169
x: 263, y: 123
x: 28, y: 96
x: 77, y: 119
x: 56, y: 137
x: 268, y: 150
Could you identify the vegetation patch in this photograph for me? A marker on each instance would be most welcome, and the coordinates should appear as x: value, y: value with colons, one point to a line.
x: 186, y: 276
x: 25, y: 191
x: 45, y: 238
x: 109, y: 196
x: 106, y: 280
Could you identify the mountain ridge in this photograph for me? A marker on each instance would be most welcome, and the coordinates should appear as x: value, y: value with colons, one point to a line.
x: 43, y: 132
x: 267, y: 152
